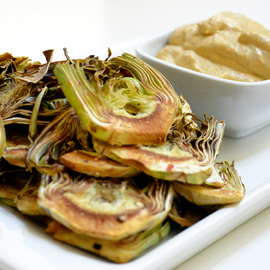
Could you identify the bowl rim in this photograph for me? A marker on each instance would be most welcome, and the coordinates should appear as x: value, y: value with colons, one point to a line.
x: 161, y: 35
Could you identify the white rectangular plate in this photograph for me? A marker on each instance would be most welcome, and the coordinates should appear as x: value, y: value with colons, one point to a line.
x: 24, y: 244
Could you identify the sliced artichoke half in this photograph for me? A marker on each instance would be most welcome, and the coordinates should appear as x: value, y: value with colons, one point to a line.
x: 122, y: 101
x: 232, y: 191
x: 109, y: 209
x: 26, y: 199
x: 187, y: 156
x: 95, y: 164
x: 17, y: 145
x: 120, y: 251
x: 186, y: 213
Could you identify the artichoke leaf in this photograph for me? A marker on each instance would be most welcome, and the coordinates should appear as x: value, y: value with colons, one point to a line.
x: 53, y: 106
x: 24, y: 113
x: 95, y: 164
x: 35, y: 72
x: 122, y: 101
x: 34, y: 117
x: 21, y: 81
x: 14, y: 93
x: 23, y: 121
x: 232, y: 191
x: 11, y: 64
x: 14, y: 97
x: 120, y: 251
x: 109, y: 209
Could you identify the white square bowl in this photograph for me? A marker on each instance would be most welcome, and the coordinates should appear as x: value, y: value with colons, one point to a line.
x: 245, y: 106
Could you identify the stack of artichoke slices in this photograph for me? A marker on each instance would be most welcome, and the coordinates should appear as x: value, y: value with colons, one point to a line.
x: 107, y: 153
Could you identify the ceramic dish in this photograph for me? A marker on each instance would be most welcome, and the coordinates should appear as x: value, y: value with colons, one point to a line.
x: 24, y: 245
x: 243, y: 105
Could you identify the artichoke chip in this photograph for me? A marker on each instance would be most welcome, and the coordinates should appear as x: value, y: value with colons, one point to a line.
x: 19, y: 79
x: 95, y: 164
x: 123, y: 100
x: 186, y: 213
x: 109, y: 209
x: 232, y: 191
x: 64, y: 134
x: 16, y: 155
x: 26, y: 199
x: 120, y: 251
x: 187, y: 156
x: 17, y: 145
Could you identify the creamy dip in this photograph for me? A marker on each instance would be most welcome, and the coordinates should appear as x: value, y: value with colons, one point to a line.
x: 228, y: 46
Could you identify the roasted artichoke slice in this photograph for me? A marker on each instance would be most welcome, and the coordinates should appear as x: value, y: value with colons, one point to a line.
x: 64, y: 134
x: 17, y: 145
x: 95, y: 164
x: 120, y: 251
x: 18, y: 84
x: 232, y: 191
x: 187, y: 156
x: 109, y: 209
x: 26, y: 199
x: 186, y: 213
x: 122, y: 101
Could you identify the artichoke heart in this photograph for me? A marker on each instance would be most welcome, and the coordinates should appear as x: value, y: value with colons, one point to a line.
x: 109, y: 209
x: 96, y: 165
x: 187, y: 156
x: 120, y: 251
x: 122, y: 101
x: 232, y: 191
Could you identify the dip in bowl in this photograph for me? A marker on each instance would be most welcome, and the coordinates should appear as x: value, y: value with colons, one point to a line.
x: 243, y: 105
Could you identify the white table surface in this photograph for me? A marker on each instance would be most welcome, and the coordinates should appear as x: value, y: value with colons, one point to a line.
x: 90, y: 27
